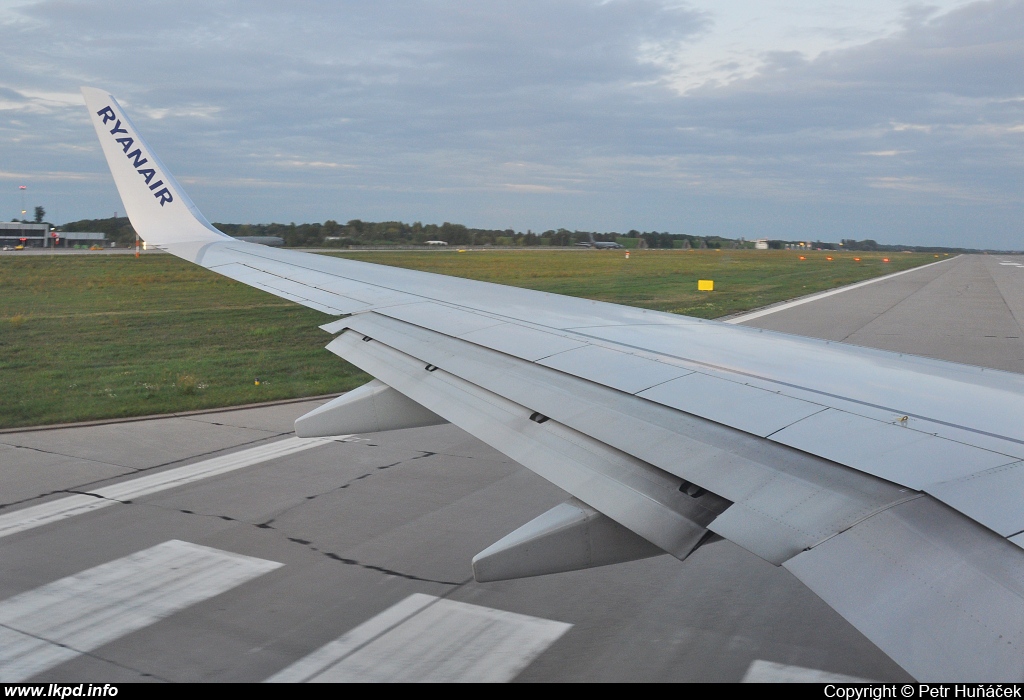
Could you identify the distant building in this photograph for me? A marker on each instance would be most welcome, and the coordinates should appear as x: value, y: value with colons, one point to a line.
x: 73, y: 239
x: 28, y: 235
x: 39, y: 236
x: 761, y: 244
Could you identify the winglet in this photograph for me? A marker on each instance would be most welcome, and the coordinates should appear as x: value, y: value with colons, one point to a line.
x: 156, y: 204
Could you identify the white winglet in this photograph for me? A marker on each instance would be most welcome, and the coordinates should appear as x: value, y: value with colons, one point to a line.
x: 156, y: 204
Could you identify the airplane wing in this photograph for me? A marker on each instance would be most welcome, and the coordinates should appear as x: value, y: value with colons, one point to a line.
x: 890, y: 485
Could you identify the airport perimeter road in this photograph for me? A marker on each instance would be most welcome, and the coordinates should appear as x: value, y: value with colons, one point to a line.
x: 219, y: 547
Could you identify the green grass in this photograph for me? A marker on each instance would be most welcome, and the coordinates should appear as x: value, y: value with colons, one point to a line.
x: 664, y: 280
x: 85, y: 337
x: 90, y: 337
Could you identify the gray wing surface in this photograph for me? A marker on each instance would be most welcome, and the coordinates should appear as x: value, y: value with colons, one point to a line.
x: 890, y: 485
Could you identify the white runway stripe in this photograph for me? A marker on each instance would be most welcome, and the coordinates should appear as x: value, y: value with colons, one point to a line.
x: 56, y: 622
x: 814, y: 297
x: 34, y: 516
x: 427, y: 639
x: 769, y: 672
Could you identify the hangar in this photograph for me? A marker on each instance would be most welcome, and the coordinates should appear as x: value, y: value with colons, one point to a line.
x: 14, y: 233
x: 29, y: 235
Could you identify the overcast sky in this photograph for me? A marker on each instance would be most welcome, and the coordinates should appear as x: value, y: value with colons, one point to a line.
x: 768, y: 118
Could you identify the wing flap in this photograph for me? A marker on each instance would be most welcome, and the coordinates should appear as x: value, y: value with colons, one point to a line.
x: 768, y: 537
x: 661, y: 436
x: 807, y: 502
x: 635, y: 494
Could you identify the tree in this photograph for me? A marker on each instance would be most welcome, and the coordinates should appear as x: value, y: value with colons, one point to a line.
x: 40, y: 213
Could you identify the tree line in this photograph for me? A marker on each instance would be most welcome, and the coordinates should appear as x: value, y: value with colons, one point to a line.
x: 361, y: 233
x: 356, y: 232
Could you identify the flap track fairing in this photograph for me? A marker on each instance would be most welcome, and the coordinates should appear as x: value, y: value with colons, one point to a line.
x: 372, y: 408
x: 568, y: 537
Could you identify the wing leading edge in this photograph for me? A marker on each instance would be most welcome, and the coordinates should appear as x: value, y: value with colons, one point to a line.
x: 889, y: 485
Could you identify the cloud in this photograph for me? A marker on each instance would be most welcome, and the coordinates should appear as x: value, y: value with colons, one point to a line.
x: 36, y: 101
x: 921, y: 185
x: 296, y: 163
x: 200, y: 112
x: 50, y: 176
x: 532, y: 189
x: 925, y: 128
x: 624, y: 114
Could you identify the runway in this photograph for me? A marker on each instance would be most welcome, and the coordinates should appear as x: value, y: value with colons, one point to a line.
x: 217, y: 547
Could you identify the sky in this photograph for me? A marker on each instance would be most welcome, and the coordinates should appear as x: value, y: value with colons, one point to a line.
x: 783, y: 119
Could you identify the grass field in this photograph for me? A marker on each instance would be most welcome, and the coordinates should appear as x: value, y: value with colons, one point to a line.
x: 665, y: 280
x: 89, y: 337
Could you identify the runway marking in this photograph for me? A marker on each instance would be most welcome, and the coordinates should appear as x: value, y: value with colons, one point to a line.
x: 768, y: 672
x: 61, y: 620
x: 429, y: 639
x: 94, y: 499
x: 815, y: 297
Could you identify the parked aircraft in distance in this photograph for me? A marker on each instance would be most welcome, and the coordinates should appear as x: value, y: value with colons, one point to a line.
x: 890, y: 485
x: 600, y: 245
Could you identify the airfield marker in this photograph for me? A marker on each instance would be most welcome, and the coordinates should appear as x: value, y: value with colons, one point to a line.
x: 105, y: 496
x: 59, y: 621
x: 424, y: 638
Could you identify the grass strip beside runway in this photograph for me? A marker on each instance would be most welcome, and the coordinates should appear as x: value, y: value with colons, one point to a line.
x: 105, y: 336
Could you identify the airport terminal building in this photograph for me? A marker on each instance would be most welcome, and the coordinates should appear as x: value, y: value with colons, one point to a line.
x: 14, y: 233
x: 28, y: 235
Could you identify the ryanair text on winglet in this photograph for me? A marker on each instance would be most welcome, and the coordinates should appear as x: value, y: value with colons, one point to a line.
x: 163, y: 194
